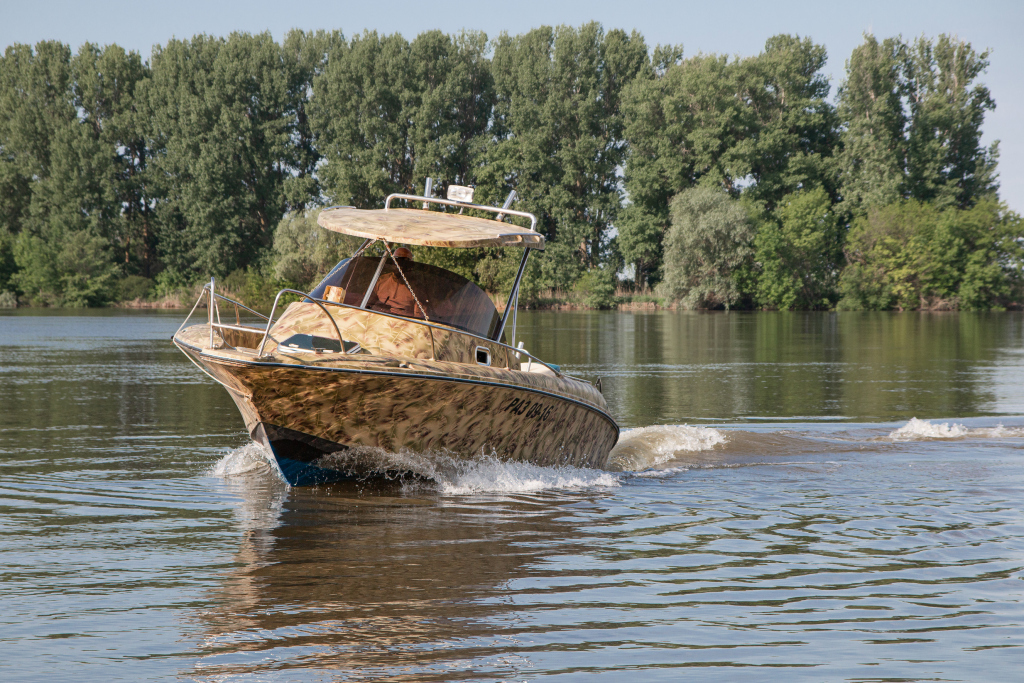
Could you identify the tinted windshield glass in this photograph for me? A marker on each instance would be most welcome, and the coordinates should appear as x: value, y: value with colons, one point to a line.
x: 448, y: 298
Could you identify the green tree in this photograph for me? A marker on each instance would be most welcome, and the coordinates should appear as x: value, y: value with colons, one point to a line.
x: 946, y: 161
x: 388, y: 114
x: 797, y: 128
x: 105, y: 81
x: 306, y: 54
x: 63, y: 214
x: 557, y: 134
x: 453, y: 111
x: 761, y: 125
x: 912, y: 255
x: 62, y: 254
x: 687, y: 123
x: 709, y: 240
x: 35, y: 102
x: 873, y: 157
x: 360, y: 112
x: 597, y: 286
x: 66, y: 268
x: 639, y: 243
x: 222, y: 117
x: 304, y: 252
x: 798, y: 249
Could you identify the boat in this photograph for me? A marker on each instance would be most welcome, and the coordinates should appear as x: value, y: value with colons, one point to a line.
x: 390, y: 354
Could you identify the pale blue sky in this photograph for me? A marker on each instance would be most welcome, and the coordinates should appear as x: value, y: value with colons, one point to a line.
x: 738, y: 27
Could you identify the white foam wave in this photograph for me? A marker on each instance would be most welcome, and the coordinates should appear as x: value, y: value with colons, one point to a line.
x: 461, y: 476
x: 490, y: 475
x: 922, y: 429
x: 661, y: 474
x: 998, y: 432
x: 639, y: 449
x: 252, y: 457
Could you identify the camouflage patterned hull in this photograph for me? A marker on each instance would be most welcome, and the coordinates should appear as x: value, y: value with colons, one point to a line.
x: 318, y: 414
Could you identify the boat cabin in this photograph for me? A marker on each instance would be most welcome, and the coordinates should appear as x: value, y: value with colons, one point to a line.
x: 396, y: 284
x: 446, y: 298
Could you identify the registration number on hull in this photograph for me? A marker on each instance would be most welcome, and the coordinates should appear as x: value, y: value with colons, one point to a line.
x: 529, y: 408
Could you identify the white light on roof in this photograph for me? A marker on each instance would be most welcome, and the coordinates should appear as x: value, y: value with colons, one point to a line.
x: 460, y: 193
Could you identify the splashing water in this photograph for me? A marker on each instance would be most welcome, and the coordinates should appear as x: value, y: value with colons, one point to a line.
x: 922, y: 429
x: 458, y: 476
x: 998, y: 432
x: 916, y: 430
x: 640, y: 449
x: 450, y: 475
x: 491, y: 475
x: 252, y: 457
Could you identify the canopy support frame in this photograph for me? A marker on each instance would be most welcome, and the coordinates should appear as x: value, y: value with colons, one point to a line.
x: 376, y: 276
x: 513, y: 300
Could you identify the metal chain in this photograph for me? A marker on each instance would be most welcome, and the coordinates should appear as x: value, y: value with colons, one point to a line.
x: 360, y: 250
x: 408, y: 286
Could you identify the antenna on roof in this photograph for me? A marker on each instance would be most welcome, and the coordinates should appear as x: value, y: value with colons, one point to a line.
x: 428, y: 192
x: 512, y: 196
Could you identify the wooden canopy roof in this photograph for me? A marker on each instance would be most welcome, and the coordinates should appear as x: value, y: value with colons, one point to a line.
x: 428, y: 228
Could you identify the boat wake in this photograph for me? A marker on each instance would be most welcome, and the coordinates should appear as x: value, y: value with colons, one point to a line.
x: 643, y: 448
x: 446, y: 474
x: 917, y: 430
x: 452, y: 475
x: 656, y: 451
x: 488, y: 474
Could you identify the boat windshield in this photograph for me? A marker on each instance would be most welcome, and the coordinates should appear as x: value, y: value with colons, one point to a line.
x: 448, y: 298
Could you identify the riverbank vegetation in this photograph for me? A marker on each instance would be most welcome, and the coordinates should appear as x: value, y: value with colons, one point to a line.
x: 705, y: 181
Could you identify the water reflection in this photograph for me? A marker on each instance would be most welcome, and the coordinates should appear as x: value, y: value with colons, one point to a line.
x: 835, y: 551
x: 666, y: 368
x: 371, y: 577
x: 845, y: 552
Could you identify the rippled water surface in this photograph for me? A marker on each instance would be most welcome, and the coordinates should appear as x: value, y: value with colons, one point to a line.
x: 813, y: 497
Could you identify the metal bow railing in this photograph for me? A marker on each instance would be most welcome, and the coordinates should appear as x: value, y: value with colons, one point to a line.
x: 214, y: 312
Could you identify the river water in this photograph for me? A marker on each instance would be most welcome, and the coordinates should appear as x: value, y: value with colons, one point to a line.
x: 801, y: 496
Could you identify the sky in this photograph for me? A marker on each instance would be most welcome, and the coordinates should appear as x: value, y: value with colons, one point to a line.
x: 739, y: 27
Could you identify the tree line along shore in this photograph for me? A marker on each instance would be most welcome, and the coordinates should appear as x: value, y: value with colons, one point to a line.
x: 659, y: 179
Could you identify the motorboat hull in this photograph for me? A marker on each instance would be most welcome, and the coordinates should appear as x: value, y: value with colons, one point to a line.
x: 320, y: 419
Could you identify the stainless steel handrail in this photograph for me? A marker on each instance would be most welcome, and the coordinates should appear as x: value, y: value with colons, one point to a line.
x: 241, y: 305
x: 189, y: 316
x: 463, y: 205
x: 270, y: 319
x: 240, y: 328
x: 321, y: 302
x: 203, y: 293
x: 213, y: 302
x: 439, y: 327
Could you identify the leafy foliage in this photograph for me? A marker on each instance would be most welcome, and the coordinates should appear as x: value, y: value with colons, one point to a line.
x: 558, y: 136
x: 798, y: 250
x: 874, y: 155
x: 709, y: 239
x: 759, y: 125
x: 598, y: 288
x: 913, y: 255
x: 388, y: 113
x: 732, y: 181
x: 304, y: 252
